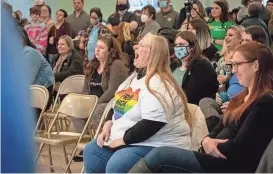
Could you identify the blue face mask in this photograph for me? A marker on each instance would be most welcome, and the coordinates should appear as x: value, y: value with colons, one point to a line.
x: 181, y: 51
x: 163, y: 4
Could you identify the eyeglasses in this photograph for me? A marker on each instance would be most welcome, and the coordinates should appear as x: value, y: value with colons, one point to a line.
x: 235, y: 65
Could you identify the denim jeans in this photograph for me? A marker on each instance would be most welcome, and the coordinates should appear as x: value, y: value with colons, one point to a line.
x: 172, y: 160
x: 101, y: 160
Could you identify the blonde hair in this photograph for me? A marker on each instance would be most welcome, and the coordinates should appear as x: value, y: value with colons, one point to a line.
x: 68, y: 41
x: 202, y: 10
x: 239, y: 32
x: 159, y: 64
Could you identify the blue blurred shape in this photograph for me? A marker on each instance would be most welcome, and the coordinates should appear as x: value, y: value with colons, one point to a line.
x: 17, y: 145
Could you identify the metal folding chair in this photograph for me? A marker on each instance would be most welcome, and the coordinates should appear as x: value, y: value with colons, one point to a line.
x: 73, y: 105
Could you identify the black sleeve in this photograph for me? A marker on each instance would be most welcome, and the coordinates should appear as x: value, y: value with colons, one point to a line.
x: 110, y: 115
x: 255, y: 133
x: 133, y: 17
x: 180, y: 19
x: 110, y: 20
x: 197, y: 79
x: 141, y: 131
x: 216, y: 130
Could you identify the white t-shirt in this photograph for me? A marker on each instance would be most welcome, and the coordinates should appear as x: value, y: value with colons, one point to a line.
x: 133, y: 102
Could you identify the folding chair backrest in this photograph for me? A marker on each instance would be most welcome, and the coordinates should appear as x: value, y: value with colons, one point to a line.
x: 72, y: 84
x: 39, y: 96
x: 78, y: 105
x: 104, y: 116
x: 39, y: 99
x: 199, y: 127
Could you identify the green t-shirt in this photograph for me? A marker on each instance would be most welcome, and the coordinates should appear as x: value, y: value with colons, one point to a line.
x: 179, y: 75
x: 218, y: 32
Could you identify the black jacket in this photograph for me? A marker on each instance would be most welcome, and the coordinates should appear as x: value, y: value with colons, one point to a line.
x: 210, y: 52
x: 247, y: 139
x: 200, y: 80
x: 180, y: 19
x: 255, y: 21
x: 71, y: 66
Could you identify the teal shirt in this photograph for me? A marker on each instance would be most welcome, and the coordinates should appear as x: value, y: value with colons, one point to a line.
x: 218, y: 31
x: 179, y: 75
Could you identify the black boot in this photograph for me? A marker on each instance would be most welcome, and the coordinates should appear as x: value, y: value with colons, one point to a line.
x: 78, y: 158
x: 140, y: 167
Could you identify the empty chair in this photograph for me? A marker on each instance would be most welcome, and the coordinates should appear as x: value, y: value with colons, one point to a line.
x: 73, y: 105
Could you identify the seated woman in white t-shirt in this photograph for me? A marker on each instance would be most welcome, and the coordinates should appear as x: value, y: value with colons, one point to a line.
x: 149, y: 111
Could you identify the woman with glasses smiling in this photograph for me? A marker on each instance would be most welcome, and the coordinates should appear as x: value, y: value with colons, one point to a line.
x: 237, y: 144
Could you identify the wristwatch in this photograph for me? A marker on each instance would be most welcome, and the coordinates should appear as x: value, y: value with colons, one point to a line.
x: 214, y: 41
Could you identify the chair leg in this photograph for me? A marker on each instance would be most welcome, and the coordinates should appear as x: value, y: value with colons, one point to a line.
x: 67, y: 124
x: 82, y: 169
x: 71, y: 159
x: 50, y: 159
x: 40, y: 151
x: 66, y: 160
x: 61, y: 124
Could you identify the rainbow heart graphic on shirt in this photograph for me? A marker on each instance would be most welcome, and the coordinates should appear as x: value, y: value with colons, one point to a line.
x: 124, y: 101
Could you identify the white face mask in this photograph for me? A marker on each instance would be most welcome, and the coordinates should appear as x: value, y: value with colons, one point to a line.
x: 144, y: 18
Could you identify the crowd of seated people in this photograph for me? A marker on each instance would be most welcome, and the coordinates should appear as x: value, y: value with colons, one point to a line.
x: 153, y: 64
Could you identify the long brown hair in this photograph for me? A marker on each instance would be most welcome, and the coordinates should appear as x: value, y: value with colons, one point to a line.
x: 116, y: 53
x: 263, y: 82
x: 194, y: 45
x: 158, y: 64
x: 202, y: 10
x: 203, y: 34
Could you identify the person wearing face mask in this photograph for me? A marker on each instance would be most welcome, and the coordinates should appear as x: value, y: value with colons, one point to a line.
x: 167, y: 16
x: 148, y: 18
x: 89, y: 38
x: 122, y: 15
x: 193, y: 72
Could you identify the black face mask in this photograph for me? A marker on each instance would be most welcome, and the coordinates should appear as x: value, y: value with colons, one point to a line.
x: 122, y: 7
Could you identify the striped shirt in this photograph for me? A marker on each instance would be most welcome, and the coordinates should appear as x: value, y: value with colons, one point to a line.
x: 37, y: 34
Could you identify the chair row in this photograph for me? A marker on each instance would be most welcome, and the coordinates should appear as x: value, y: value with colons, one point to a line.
x: 82, y: 106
